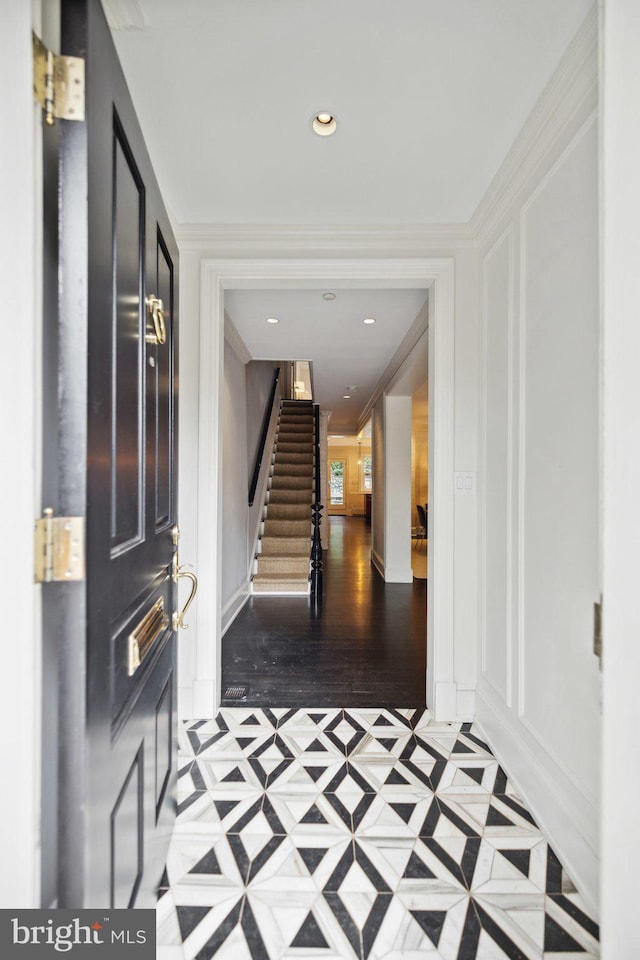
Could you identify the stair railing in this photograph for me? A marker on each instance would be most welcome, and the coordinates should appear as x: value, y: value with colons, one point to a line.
x: 263, y: 438
x: 316, y: 508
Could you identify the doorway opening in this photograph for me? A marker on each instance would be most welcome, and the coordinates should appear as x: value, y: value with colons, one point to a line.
x: 435, y: 275
x: 337, y: 487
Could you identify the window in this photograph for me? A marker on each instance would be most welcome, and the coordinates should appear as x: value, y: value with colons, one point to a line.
x: 336, y: 482
x: 366, y: 477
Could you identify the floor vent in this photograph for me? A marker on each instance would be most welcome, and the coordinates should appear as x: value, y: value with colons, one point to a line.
x: 236, y: 691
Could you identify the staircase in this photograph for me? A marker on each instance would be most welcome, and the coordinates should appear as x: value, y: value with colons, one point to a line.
x: 282, y: 562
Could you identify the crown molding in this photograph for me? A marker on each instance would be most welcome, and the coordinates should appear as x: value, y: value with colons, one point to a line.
x: 227, y: 239
x: 411, y: 339
x: 569, y: 97
x: 235, y: 341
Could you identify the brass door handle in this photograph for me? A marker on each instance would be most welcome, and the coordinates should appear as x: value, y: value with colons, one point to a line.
x: 178, y: 573
x: 155, y: 309
x: 178, y: 618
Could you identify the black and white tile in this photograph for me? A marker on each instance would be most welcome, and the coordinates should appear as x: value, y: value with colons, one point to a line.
x: 367, y: 834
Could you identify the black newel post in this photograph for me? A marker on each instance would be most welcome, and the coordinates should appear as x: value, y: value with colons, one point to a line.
x: 316, y: 508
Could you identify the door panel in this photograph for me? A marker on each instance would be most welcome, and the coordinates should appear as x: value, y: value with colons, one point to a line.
x: 117, y: 799
x: 162, y: 381
x: 128, y: 342
x: 127, y: 837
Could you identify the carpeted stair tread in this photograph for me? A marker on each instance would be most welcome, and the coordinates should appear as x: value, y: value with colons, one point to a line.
x: 291, y: 564
x: 290, y: 495
x: 288, y: 511
x: 288, y: 528
x: 287, y: 482
x: 282, y: 458
x: 295, y: 428
x: 290, y: 545
x: 293, y: 470
x: 284, y: 446
x: 280, y: 583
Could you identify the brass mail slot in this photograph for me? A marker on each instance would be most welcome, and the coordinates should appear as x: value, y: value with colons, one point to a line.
x: 142, y: 638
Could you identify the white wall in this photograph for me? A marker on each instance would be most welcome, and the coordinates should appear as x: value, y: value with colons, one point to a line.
x: 419, y: 452
x: 188, y: 463
x: 235, y: 482
x: 377, y: 498
x: 21, y: 277
x: 621, y: 773
x: 397, y: 489
x: 539, y: 689
x: 259, y: 376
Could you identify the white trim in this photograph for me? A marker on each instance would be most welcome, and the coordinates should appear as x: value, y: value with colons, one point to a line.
x: 398, y: 574
x: 378, y: 562
x: 413, y: 336
x: 208, y: 653
x: 465, y: 702
x: 505, y: 237
x: 185, y: 702
x: 570, y: 95
x: 235, y: 341
x: 205, y: 699
x: 227, y: 239
x: 234, y: 605
x: 20, y: 420
x: 440, y: 585
x: 220, y: 275
x: 522, y: 407
x: 566, y: 816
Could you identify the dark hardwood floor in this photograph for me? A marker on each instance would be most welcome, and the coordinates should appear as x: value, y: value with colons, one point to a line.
x: 363, y: 646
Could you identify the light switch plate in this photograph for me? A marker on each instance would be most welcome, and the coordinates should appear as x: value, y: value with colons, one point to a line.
x: 464, y: 483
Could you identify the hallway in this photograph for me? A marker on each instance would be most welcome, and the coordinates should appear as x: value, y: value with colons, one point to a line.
x: 364, y: 646
x: 357, y: 834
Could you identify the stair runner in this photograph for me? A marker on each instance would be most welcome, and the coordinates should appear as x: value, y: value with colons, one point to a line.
x: 285, y: 544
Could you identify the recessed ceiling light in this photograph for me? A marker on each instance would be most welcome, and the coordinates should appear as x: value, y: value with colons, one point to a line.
x: 369, y: 320
x: 272, y: 320
x: 347, y: 396
x: 352, y: 387
x: 328, y: 296
x: 324, y: 124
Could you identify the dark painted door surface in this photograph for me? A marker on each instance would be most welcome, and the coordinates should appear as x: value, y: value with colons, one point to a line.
x: 118, y: 258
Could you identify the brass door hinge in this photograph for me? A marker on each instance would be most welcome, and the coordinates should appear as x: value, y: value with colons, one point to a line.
x: 58, y: 83
x: 59, y: 549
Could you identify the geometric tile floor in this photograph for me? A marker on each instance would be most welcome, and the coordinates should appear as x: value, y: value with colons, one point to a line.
x: 361, y: 833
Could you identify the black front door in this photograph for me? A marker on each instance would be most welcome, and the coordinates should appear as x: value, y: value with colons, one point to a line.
x: 117, y: 345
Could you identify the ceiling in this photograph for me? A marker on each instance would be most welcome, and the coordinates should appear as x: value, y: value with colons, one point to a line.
x: 346, y: 353
x: 429, y: 96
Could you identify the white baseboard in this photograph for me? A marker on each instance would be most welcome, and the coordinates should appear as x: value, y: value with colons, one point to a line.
x: 565, y: 815
x: 391, y: 574
x: 185, y: 703
x: 444, y: 701
x: 377, y: 561
x: 398, y: 574
x: 465, y: 703
x: 234, y: 605
x: 205, y: 699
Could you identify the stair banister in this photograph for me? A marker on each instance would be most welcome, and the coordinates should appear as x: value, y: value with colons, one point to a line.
x: 316, y: 508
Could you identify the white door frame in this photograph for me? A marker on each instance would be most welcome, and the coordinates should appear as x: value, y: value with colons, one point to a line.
x: 218, y: 275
